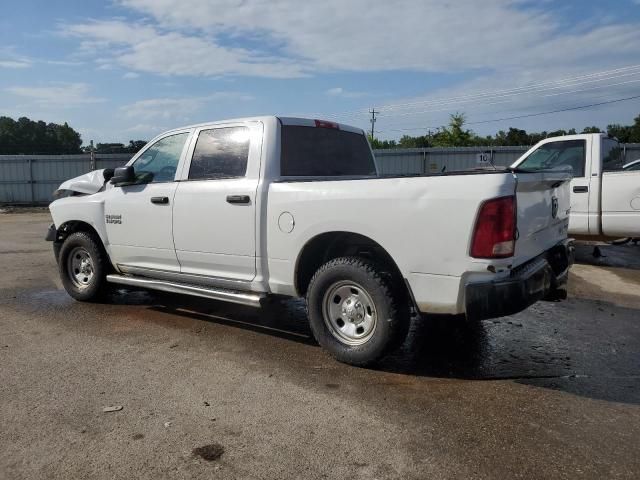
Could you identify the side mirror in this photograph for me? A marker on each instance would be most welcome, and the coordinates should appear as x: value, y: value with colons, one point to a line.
x: 107, y: 173
x: 123, y: 175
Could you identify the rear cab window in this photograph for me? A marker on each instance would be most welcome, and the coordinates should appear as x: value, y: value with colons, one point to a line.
x: 612, y: 155
x: 320, y: 151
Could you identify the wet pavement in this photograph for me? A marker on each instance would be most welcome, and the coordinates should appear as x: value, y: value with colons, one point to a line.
x: 212, y: 390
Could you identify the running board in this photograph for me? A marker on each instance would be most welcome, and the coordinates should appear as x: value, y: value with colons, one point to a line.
x: 231, y: 296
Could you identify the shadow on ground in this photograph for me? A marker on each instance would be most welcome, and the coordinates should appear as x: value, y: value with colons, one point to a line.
x: 608, y: 255
x: 552, y: 345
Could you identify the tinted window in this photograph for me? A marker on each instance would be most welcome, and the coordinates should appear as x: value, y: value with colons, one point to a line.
x: 565, y: 154
x: 220, y: 153
x: 319, y: 152
x: 159, y: 162
x: 612, y: 157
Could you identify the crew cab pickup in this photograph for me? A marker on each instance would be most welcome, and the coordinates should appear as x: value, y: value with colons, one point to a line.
x: 244, y: 209
x: 605, y: 192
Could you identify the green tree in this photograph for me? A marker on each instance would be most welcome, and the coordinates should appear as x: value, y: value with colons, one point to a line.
x: 591, y: 130
x: 454, y: 134
x: 621, y: 132
x: 26, y: 136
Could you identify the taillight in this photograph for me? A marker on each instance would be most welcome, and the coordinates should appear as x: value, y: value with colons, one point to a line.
x: 326, y: 124
x: 495, y: 231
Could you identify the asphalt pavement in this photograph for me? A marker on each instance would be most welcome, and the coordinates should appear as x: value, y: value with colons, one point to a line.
x: 209, y: 390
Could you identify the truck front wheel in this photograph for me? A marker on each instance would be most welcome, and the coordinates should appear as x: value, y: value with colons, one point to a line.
x: 355, y: 312
x: 83, y: 266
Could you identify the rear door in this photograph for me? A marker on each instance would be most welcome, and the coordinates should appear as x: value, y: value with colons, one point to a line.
x: 573, y: 156
x: 214, y: 213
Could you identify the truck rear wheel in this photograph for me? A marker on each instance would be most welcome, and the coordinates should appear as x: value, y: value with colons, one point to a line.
x: 83, y: 267
x: 354, y: 311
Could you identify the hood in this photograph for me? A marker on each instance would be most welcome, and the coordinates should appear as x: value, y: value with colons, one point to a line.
x: 88, y: 183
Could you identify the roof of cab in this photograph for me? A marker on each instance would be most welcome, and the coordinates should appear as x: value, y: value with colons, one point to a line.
x: 298, y: 121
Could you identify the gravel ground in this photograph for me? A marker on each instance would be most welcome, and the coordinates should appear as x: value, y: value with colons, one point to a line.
x: 209, y: 390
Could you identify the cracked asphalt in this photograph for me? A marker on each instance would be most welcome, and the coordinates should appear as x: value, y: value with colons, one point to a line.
x: 209, y: 390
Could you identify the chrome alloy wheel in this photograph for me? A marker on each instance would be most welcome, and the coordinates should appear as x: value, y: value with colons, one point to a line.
x: 80, y: 267
x: 349, y: 313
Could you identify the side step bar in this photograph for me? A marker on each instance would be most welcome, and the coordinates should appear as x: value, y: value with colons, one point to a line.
x: 231, y: 296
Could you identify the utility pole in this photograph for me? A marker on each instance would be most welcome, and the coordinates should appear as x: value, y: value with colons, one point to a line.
x: 92, y: 154
x: 373, y: 121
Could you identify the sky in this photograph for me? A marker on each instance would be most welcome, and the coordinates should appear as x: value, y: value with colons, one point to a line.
x: 129, y: 69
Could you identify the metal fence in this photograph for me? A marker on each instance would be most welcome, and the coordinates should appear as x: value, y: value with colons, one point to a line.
x: 31, y: 179
x: 434, y: 160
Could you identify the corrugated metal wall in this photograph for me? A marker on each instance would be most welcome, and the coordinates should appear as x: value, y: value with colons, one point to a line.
x: 433, y: 160
x: 31, y: 179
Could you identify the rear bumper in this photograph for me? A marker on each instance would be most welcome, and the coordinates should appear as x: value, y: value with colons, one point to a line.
x: 526, y: 285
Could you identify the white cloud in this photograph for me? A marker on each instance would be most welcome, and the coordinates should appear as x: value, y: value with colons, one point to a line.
x: 335, y: 92
x: 14, y: 64
x: 130, y: 75
x: 58, y: 95
x: 341, y: 92
x: 401, y: 35
x: 178, y: 109
x: 145, y: 48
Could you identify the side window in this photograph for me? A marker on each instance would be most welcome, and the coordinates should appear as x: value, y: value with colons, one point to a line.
x: 612, y: 157
x: 632, y: 166
x: 559, y: 155
x: 220, y: 153
x: 159, y: 162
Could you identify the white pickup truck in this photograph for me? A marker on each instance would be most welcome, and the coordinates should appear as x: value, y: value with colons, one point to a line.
x: 605, y: 193
x: 242, y: 209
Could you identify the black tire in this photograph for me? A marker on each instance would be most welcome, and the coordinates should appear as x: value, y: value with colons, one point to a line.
x: 391, y: 310
x: 76, y: 244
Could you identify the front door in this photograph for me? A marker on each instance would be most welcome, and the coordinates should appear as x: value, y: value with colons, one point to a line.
x: 139, y: 217
x: 214, y: 213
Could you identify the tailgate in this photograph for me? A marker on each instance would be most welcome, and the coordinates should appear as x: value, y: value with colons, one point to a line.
x: 543, y: 212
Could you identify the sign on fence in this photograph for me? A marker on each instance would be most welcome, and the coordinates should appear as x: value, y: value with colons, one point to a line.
x: 483, y: 159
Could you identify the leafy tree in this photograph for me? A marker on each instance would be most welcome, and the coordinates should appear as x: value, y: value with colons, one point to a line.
x: 626, y: 133
x: 26, y: 136
x: 454, y: 134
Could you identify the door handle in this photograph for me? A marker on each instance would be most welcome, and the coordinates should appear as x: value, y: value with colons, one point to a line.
x: 580, y: 189
x: 238, y: 199
x: 160, y: 200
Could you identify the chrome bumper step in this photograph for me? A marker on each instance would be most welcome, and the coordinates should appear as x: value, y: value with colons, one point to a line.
x: 231, y: 296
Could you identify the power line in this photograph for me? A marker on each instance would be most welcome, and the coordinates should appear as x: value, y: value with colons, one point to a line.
x: 539, y: 86
x: 500, y: 98
x: 404, y: 114
x: 515, y: 117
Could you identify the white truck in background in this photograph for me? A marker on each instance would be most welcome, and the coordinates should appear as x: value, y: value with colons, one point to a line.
x: 605, y: 192
x: 243, y: 209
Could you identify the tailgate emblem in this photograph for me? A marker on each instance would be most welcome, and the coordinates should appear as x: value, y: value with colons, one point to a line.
x: 554, y: 207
